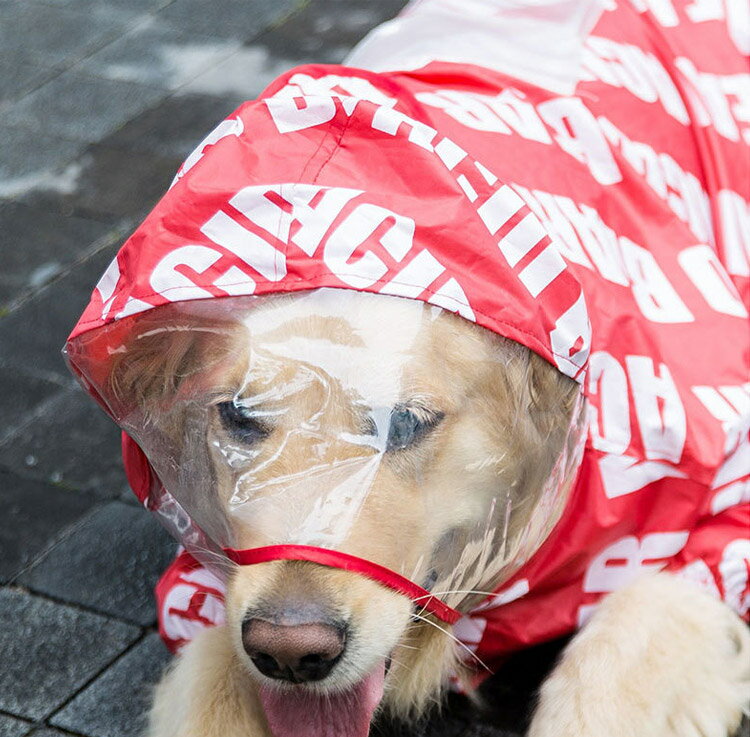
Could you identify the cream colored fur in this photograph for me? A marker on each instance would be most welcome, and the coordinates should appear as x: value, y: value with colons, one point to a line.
x: 658, y: 659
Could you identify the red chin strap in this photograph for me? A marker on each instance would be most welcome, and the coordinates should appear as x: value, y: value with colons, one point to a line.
x: 334, y: 559
x: 142, y: 477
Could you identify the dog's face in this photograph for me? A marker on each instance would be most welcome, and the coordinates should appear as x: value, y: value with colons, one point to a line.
x: 378, y: 426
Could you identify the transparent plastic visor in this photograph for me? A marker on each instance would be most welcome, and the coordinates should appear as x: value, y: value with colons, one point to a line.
x: 398, y: 440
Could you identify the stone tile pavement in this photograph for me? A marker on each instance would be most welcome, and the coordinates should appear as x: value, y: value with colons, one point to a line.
x: 99, y: 102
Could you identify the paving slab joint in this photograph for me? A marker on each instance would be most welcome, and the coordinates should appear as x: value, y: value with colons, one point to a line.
x: 298, y: 7
x: 64, y: 535
x: 48, y: 717
x: 118, y: 232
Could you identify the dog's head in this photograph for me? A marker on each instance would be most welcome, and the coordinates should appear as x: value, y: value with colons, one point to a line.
x: 378, y: 426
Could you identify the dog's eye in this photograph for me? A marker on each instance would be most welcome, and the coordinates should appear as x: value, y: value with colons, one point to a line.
x: 241, y: 424
x: 409, y: 425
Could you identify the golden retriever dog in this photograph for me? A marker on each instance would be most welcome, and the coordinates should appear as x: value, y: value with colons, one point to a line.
x: 660, y: 658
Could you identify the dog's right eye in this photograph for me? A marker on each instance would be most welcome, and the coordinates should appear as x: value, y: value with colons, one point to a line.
x: 239, y: 422
x: 409, y: 425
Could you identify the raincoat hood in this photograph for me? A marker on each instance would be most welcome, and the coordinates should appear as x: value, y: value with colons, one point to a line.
x: 300, y: 191
x: 326, y: 182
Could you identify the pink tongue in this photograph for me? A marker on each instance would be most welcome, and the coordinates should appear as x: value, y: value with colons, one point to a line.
x: 297, y: 713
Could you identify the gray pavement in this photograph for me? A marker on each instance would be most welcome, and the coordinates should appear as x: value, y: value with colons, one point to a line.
x: 99, y: 102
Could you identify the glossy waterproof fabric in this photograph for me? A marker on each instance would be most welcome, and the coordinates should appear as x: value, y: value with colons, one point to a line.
x: 606, y: 230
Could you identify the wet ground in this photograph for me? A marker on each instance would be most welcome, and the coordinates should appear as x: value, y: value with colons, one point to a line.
x: 100, y: 100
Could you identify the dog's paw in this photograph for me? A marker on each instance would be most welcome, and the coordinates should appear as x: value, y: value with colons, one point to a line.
x: 659, y: 659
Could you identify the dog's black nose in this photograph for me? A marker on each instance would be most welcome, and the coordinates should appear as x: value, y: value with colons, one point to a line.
x: 296, y: 653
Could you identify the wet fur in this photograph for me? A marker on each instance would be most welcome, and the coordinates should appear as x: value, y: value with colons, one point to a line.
x: 659, y: 659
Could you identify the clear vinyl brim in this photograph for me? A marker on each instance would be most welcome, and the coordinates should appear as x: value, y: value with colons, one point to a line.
x: 378, y: 427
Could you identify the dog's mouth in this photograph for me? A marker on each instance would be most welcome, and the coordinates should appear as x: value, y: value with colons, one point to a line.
x: 296, y: 712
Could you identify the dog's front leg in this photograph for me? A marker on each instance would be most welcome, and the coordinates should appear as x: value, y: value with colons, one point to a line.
x: 207, y: 693
x: 660, y: 658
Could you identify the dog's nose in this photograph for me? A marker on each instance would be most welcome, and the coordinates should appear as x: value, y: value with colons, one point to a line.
x: 296, y: 653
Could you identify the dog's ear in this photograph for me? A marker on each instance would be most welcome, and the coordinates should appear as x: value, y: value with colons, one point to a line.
x: 166, y: 352
x: 552, y: 396
x: 527, y: 388
x: 545, y: 402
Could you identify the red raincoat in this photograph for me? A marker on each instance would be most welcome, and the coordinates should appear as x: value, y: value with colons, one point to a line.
x: 607, y: 230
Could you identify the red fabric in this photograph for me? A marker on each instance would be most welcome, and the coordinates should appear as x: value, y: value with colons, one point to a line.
x: 188, y: 599
x: 607, y: 231
x: 336, y: 559
x: 137, y: 468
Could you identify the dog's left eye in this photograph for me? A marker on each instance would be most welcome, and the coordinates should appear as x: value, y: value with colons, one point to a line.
x: 241, y: 424
x: 409, y: 425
